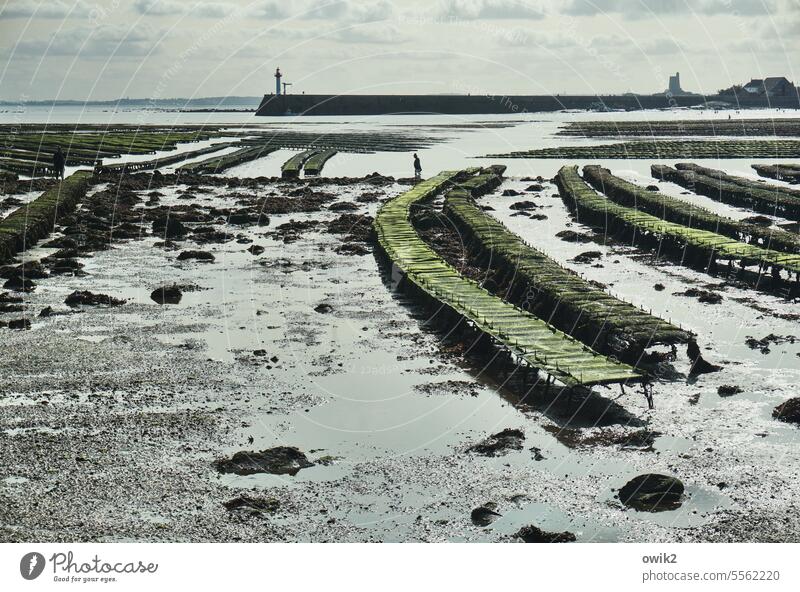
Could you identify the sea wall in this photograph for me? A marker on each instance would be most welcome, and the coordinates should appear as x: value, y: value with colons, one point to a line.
x: 482, y: 104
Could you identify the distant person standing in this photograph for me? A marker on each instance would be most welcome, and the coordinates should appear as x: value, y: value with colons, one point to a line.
x: 417, y: 167
x: 58, y: 163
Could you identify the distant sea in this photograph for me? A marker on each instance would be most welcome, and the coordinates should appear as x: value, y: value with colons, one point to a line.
x: 133, y: 111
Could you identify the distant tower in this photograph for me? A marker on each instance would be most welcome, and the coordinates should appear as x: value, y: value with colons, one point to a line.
x: 278, y: 81
x: 675, y: 84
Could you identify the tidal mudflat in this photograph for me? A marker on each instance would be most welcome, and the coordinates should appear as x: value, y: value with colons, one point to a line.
x: 224, y: 357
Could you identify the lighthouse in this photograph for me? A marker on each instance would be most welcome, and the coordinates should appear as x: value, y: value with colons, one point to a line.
x: 278, y: 81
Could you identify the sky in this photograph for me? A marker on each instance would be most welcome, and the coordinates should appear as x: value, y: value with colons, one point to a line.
x: 84, y: 50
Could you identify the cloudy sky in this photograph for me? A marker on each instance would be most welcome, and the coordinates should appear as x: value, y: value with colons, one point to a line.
x: 79, y: 49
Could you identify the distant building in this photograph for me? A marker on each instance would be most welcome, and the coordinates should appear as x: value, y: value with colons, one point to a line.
x: 674, y: 89
x: 776, y: 86
x: 675, y: 84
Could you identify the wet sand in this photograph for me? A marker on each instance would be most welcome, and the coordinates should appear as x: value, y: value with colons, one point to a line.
x: 111, y: 418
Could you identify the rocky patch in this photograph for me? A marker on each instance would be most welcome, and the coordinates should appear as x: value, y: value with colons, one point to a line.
x: 789, y: 411
x: 763, y: 344
x: 534, y: 534
x: 652, y: 493
x: 281, y: 460
x: 571, y: 236
x: 86, y: 298
x: 499, y: 443
x: 204, y: 256
x: 704, y: 296
x: 484, y: 515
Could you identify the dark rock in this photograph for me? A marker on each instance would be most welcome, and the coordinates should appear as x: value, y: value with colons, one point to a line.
x: 652, y: 493
x: 510, y: 193
x: 255, y: 249
x: 167, y: 245
x: 727, y: 390
x: 127, y: 230
x: 764, y: 343
x: 32, y: 270
x: 6, y: 307
x: 65, y: 266
x: 198, y: 255
x: 208, y: 234
x: 281, y: 460
x: 575, y: 237
x: 46, y: 311
x: 244, y: 217
x: 20, y: 284
x: 292, y: 230
x: 252, y: 505
x: 484, y: 515
x: 705, y: 296
x: 323, y: 308
x: 17, y: 324
x: 652, y: 188
x: 369, y: 197
x: 499, y: 443
x: 343, y: 206
x: 352, y: 249
x: 68, y: 253
x: 355, y: 226
x: 533, y: 534
x: 788, y: 411
x: 85, y: 297
x: 9, y: 303
x: 587, y: 257
x: 535, y: 187
x: 523, y: 205
x: 169, y: 227
x: 659, y: 287
x: 63, y: 242
x: 167, y: 294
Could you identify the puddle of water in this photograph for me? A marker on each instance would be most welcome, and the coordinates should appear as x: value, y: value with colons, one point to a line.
x: 15, y: 480
x: 695, y: 510
x: 551, y: 519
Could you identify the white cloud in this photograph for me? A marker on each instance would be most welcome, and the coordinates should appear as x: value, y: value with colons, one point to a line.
x: 271, y: 9
x: 92, y: 42
x: 644, y: 47
x: 51, y: 9
x: 372, y: 34
x: 491, y: 9
x: 356, y: 12
x: 174, y: 7
x: 159, y: 7
x: 518, y: 37
x: 634, y: 9
x: 212, y: 9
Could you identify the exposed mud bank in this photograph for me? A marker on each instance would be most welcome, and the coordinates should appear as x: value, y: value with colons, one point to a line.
x: 113, y: 418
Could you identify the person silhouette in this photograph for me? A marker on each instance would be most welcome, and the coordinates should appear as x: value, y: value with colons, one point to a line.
x: 58, y: 163
x: 417, y: 167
